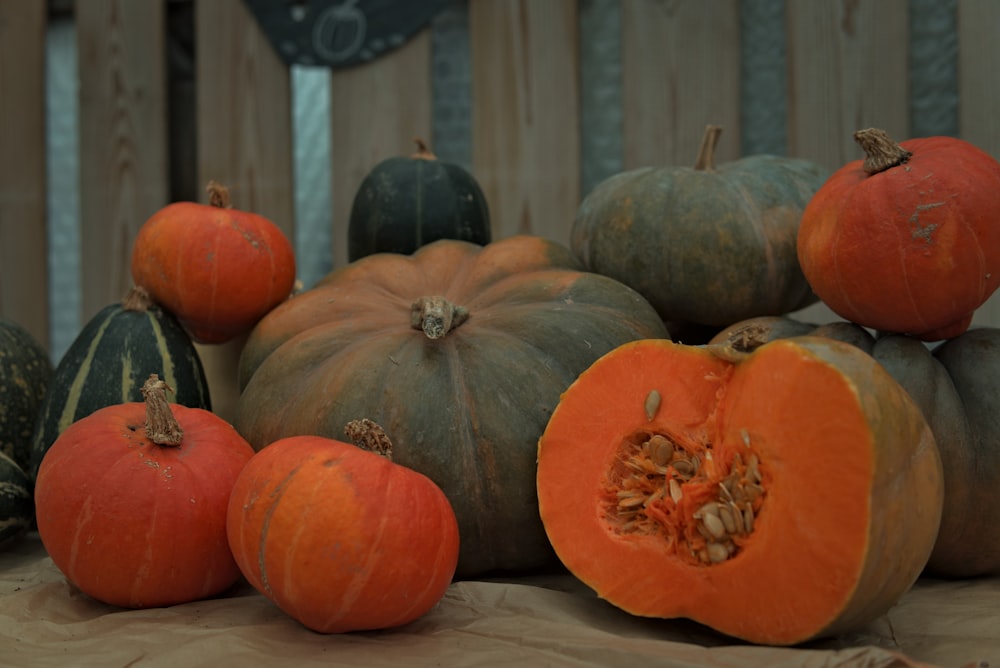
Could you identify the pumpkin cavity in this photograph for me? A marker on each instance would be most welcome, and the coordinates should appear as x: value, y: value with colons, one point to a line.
x: 702, y: 501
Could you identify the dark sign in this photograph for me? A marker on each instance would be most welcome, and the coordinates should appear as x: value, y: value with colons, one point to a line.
x: 340, y: 33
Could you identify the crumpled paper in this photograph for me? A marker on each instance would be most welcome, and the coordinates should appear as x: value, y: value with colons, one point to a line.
x: 548, y: 620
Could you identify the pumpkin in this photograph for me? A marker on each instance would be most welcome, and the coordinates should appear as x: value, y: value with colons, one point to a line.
x: 131, y: 502
x: 460, y: 352
x: 953, y: 384
x: 109, y: 361
x: 17, y: 508
x: 906, y: 240
x: 705, y: 245
x: 404, y: 203
x: 25, y: 372
x: 216, y: 268
x: 378, y: 552
x: 777, y: 496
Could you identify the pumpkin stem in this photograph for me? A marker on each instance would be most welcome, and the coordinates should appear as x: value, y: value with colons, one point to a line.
x: 423, y: 151
x: 162, y: 427
x: 436, y: 316
x: 368, y: 435
x: 881, y: 153
x: 706, y: 153
x: 137, y: 299
x: 218, y: 195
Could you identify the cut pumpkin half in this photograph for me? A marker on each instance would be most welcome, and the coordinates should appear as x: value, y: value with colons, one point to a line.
x: 777, y: 496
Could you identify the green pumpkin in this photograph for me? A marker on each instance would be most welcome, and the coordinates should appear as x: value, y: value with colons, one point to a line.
x: 706, y: 246
x: 25, y: 370
x: 111, y: 358
x: 17, y: 505
x: 407, y: 202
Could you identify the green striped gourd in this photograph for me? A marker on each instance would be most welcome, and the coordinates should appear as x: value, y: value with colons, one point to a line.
x: 17, y: 507
x: 25, y: 370
x: 111, y: 358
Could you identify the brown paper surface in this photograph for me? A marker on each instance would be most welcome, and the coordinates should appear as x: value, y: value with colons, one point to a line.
x: 550, y: 620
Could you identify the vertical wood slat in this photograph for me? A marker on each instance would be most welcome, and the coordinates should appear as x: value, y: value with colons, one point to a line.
x: 680, y: 72
x: 243, y: 113
x: 979, y: 97
x: 849, y: 69
x: 23, y: 268
x: 377, y: 110
x: 525, y: 114
x: 123, y: 138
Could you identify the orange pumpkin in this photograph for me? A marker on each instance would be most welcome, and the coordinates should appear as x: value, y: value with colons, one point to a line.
x: 777, y: 496
x: 338, y: 536
x: 131, y: 502
x: 216, y: 268
x: 907, y: 239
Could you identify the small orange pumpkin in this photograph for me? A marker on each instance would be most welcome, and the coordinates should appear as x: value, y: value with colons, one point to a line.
x: 906, y: 240
x: 340, y: 537
x: 216, y: 268
x: 131, y: 501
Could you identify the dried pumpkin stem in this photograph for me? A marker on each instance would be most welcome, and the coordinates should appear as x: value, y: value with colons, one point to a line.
x: 218, y: 195
x: 881, y: 152
x: 368, y: 435
x: 137, y: 299
x: 423, y: 151
x: 162, y: 427
x: 436, y: 316
x: 706, y: 153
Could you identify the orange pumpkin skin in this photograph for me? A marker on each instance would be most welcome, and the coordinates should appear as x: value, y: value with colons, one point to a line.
x: 341, y: 539
x: 914, y: 248
x: 136, y: 524
x: 831, y: 456
x: 216, y: 268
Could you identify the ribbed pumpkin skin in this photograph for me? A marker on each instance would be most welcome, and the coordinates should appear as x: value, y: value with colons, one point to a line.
x: 704, y: 246
x: 108, y: 363
x: 466, y: 409
x: 404, y: 203
x: 912, y: 249
x: 17, y: 507
x: 25, y: 371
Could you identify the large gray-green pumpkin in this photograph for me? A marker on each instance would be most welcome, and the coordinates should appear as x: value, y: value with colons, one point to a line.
x: 706, y: 245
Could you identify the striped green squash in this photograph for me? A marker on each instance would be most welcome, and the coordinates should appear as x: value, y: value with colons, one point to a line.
x: 25, y: 370
x: 17, y: 507
x: 109, y: 361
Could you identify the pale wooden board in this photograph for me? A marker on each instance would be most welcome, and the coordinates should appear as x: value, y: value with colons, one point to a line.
x: 848, y: 69
x: 680, y: 72
x: 244, y: 141
x: 123, y: 138
x: 979, y: 97
x: 525, y: 114
x: 23, y: 268
x: 378, y: 109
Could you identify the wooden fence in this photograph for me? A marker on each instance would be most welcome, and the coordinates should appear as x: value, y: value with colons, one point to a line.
x: 677, y: 64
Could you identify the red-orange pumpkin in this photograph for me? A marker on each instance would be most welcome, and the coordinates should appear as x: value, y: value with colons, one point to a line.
x: 776, y: 496
x: 131, y: 502
x: 216, y: 268
x: 340, y: 537
x: 907, y: 239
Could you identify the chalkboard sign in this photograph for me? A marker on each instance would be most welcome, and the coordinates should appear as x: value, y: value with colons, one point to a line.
x: 340, y: 33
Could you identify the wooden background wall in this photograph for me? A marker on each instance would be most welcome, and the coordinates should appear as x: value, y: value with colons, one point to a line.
x: 845, y: 64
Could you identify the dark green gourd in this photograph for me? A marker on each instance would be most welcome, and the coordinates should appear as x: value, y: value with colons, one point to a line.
x: 407, y: 202
x: 25, y: 370
x: 17, y: 507
x: 109, y: 361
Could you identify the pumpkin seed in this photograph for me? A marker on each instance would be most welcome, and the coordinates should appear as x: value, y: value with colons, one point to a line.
x: 717, y: 552
x: 661, y: 450
x: 652, y: 404
x: 714, y: 525
x: 726, y: 515
x: 675, y: 490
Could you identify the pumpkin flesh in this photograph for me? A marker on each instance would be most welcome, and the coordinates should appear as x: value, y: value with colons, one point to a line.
x: 837, y: 445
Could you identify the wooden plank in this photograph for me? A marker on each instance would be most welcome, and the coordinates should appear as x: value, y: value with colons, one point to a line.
x: 525, y: 114
x: 680, y: 72
x: 848, y: 69
x: 123, y: 138
x: 23, y: 248
x: 377, y: 110
x: 243, y: 113
x: 979, y: 97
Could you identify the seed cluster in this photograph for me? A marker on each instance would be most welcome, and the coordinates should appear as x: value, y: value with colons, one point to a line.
x: 705, y: 510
